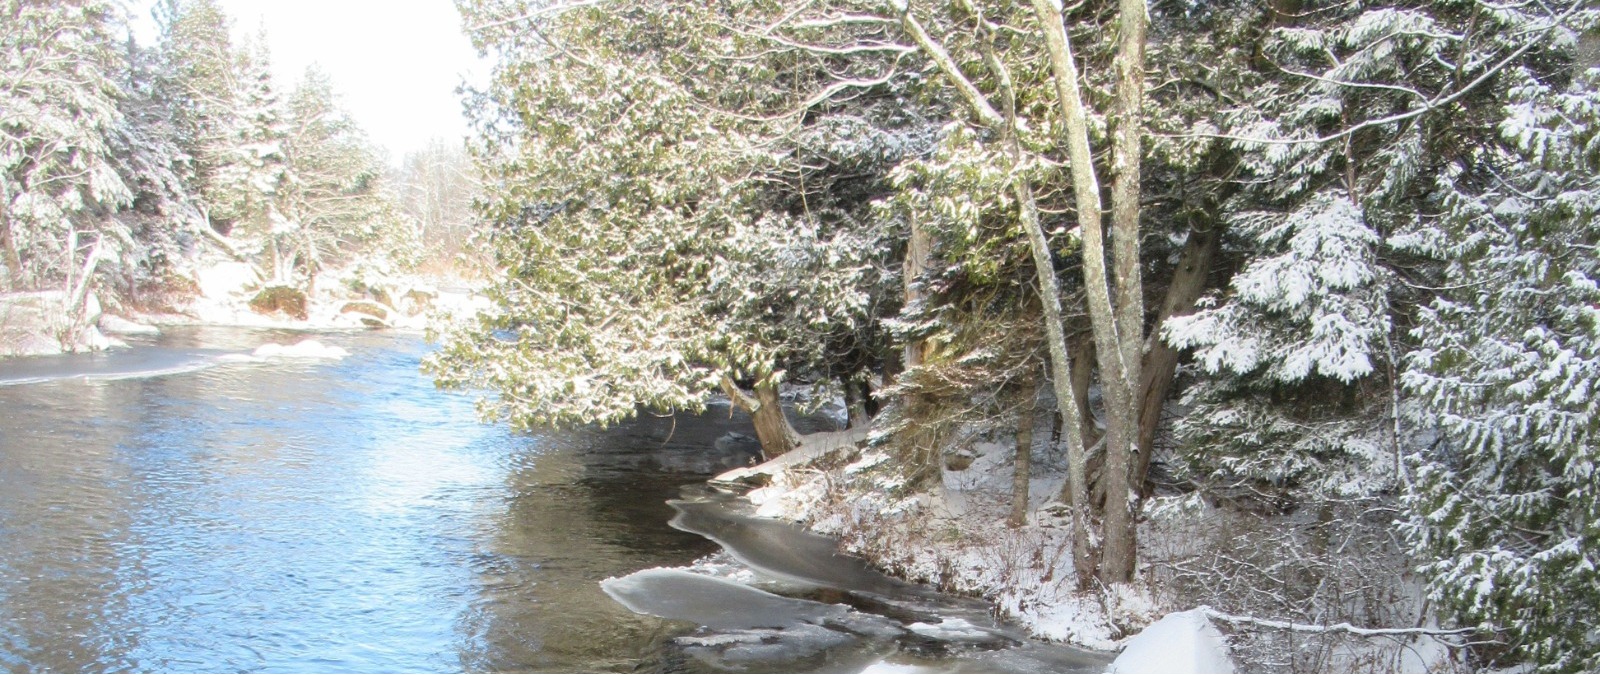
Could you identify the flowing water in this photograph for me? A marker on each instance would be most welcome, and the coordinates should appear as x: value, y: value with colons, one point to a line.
x: 180, y: 506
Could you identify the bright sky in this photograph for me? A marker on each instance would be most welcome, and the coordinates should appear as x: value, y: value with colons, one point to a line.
x: 396, y: 63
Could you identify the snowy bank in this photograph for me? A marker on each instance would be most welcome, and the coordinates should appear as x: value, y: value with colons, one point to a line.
x: 41, y: 323
x: 362, y: 296
x: 1181, y: 642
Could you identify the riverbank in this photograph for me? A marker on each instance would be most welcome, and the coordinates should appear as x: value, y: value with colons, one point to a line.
x: 223, y: 293
x: 953, y: 536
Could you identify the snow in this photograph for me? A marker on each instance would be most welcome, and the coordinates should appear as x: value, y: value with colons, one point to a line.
x: 1181, y: 642
x: 951, y: 630
x: 116, y: 325
x: 888, y: 667
x: 304, y: 349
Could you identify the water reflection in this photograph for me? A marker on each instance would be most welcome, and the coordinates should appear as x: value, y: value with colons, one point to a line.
x: 321, y: 516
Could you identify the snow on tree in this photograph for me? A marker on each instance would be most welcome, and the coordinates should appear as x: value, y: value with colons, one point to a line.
x: 162, y: 217
x: 331, y: 200
x: 198, y: 78
x: 252, y: 170
x: 59, y: 184
x: 674, y: 219
x: 1507, y: 505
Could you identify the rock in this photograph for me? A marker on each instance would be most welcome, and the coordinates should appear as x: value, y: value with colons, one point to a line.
x: 417, y: 300
x: 304, y: 349
x: 286, y: 300
x: 1181, y: 642
x: 371, y: 314
x: 364, y: 307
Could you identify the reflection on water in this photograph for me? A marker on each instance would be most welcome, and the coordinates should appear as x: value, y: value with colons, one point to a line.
x: 304, y: 515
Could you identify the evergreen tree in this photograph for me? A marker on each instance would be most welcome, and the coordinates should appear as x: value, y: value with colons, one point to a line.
x: 199, y: 82
x: 331, y: 202
x: 1506, y: 511
x: 59, y: 184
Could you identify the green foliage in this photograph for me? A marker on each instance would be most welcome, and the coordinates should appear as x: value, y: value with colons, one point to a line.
x: 1506, y: 507
x: 672, y: 207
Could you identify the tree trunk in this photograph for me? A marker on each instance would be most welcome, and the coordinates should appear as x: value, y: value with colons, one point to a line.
x: 1121, y: 531
x: 858, y: 402
x: 1024, y: 462
x: 9, y: 245
x: 8, y: 242
x: 766, y: 411
x: 1118, y: 327
x: 1082, y: 377
x: 1161, y: 360
x: 1060, y: 378
x: 77, y: 297
x: 918, y: 248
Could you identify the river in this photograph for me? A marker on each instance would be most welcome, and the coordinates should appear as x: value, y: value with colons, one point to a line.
x: 180, y: 506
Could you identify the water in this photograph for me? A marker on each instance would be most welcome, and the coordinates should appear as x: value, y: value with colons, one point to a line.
x: 175, y: 507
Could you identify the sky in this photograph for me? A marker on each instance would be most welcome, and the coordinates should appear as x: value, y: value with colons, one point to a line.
x: 395, y: 63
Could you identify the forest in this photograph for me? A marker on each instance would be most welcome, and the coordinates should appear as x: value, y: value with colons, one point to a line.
x: 1288, y: 310
x: 1298, y: 299
x: 128, y: 169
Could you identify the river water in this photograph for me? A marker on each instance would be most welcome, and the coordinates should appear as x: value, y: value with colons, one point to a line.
x: 180, y: 506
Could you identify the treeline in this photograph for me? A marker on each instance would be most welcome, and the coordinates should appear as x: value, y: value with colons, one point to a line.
x: 120, y: 163
x: 1285, y: 252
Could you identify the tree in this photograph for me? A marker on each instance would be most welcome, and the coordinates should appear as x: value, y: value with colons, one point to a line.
x: 681, y: 203
x: 252, y: 171
x: 1506, y: 513
x: 332, y: 202
x: 58, y: 180
x: 435, y: 187
x: 199, y: 82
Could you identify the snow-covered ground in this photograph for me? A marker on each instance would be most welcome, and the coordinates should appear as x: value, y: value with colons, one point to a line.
x: 954, y: 536
x: 364, y: 295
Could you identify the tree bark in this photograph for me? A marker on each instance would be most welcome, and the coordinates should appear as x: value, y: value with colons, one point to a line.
x: 1082, y: 377
x: 1121, y: 550
x: 1060, y: 377
x: 918, y: 247
x: 858, y: 402
x: 1023, y: 471
x: 13, y: 260
x: 777, y: 436
x: 1111, y: 347
x: 1161, y: 360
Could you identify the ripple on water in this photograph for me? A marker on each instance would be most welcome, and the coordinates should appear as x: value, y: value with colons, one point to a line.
x: 338, y: 516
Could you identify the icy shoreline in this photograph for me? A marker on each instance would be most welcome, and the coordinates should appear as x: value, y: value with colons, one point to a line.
x: 902, y: 535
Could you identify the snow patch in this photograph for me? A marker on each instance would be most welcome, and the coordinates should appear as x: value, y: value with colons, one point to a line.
x: 1181, y: 642
x: 950, y: 630
x: 304, y: 349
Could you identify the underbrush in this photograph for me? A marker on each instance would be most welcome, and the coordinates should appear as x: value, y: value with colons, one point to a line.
x: 1280, y: 583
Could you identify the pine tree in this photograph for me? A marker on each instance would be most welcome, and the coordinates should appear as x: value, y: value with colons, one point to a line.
x: 1507, y: 509
x: 59, y: 184
x: 199, y: 82
x: 252, y: 170
x: 331, y: 201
